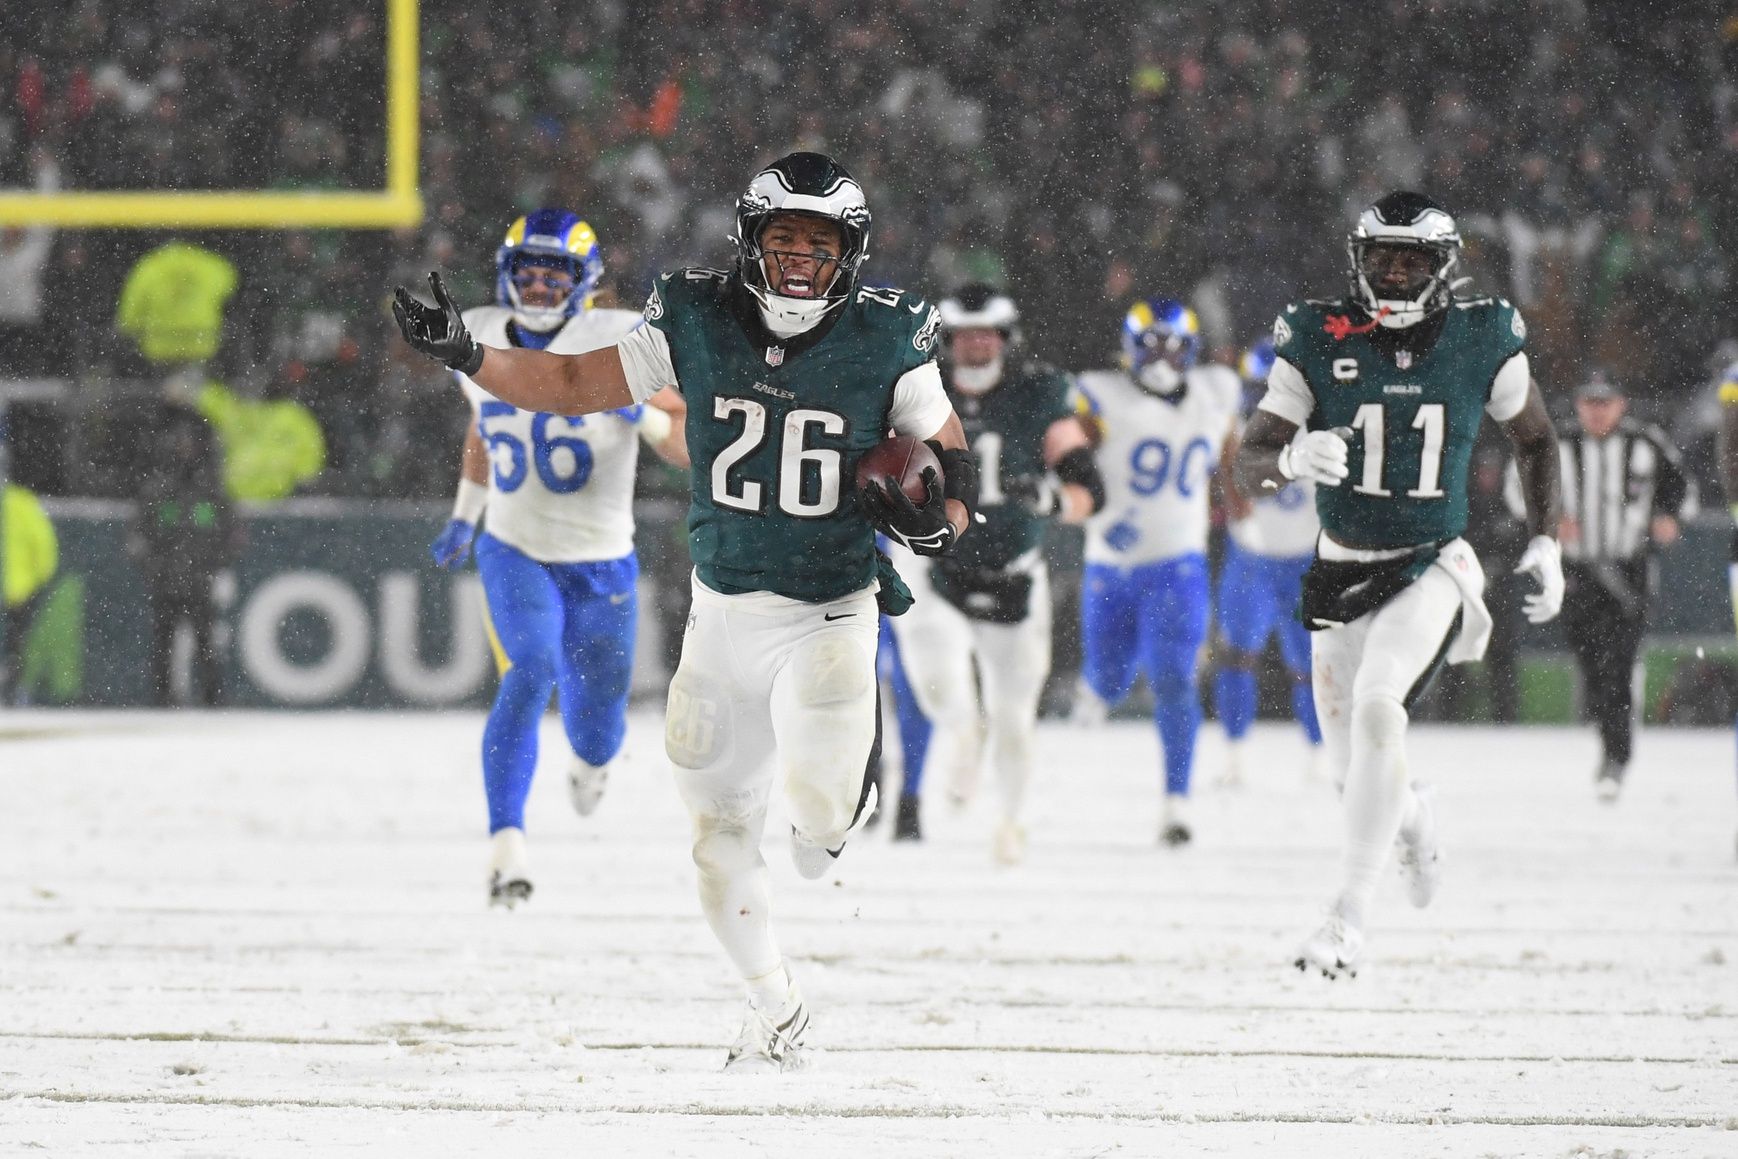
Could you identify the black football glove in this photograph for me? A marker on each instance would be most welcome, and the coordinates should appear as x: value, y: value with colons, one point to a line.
x: 437, y: 331
x: 1041, y: 494
x: 925, y: 530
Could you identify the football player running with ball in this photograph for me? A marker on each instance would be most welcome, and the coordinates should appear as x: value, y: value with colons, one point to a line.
x: 1167, y: 424
x: 557, y: 557
x: 790, y: 371
x: 1388, y: 387
x: 990, y: 600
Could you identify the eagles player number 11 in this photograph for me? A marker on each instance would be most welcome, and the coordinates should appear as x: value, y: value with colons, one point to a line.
x: 1371, y: 418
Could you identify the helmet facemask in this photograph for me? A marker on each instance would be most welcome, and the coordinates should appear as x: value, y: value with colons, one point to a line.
x: 809, y: 185
x: 547, y: 239
x: 1161, y: 341
x: 1403, y: 252
x: 978, y: 309
x: 525, y: 271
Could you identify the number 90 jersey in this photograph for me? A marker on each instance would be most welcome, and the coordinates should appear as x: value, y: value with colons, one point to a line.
x: 561, y: 489
x: 1156, y: 457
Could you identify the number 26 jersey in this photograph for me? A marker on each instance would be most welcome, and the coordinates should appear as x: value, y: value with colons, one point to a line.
x: 561, y: 488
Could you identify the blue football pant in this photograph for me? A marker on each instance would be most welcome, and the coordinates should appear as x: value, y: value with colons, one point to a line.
x: 562, y: 627
x: 914, y: 727
x: 1150, y: 619
x: 1258, y: 598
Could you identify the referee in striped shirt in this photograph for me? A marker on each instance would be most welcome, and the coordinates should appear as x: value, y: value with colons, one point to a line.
x: 1624, y: 491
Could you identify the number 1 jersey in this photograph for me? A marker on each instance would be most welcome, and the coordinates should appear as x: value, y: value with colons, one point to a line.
x: 561, y: 489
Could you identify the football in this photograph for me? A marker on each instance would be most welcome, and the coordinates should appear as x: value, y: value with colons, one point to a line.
x: 899, y: 457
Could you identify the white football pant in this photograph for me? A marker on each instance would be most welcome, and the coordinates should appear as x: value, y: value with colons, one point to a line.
x: 937, y: 642
x: 768, y: 685
x: 1365, y: 676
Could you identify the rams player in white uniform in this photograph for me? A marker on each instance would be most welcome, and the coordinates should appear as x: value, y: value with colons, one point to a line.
x: 1167, y: 425
x: 1266, y: 555
x: 557, y: 555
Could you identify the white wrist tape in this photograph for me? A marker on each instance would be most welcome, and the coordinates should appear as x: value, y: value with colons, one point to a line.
x: 654, y: 425
x: 471, y: 500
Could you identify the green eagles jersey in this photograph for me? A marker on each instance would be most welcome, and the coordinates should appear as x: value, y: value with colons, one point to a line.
x: 1005, y: 431
x: 775, y: 430
x: 1413, y: 418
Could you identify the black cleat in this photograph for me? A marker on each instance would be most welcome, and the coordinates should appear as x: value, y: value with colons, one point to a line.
x: 907, y: 826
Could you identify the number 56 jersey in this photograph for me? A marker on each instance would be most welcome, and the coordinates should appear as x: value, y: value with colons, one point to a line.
x: 1156, y: 456
x: 561, y: 488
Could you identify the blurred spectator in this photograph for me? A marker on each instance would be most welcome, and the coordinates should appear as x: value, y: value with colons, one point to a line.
x: 269, y: 449
x: 30, y: 555
x: 184, y: 534
x: 1202, y: 150
x: 24, y: 254
x: 172, y: 305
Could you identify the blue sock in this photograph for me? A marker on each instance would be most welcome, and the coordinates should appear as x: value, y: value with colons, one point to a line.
x: 1303, y: 706
x: 510, y: 745
x: 1178, y: 720
x: 1234, y: 700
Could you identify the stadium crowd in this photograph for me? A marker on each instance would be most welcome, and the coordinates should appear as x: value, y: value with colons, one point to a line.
x: 1213, y: 151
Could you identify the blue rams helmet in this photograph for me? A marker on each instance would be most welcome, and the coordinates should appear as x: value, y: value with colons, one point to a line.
x: 552, y: 238
x: 1256, y: 363
x: 1161, y: 338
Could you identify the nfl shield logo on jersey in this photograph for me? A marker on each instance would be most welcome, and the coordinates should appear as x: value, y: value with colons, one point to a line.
x: 1403, y: 359
x: 775, y: 355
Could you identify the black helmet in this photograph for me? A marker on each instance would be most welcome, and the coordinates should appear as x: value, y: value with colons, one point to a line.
x: 1412, y: 220
x: 810, y: 183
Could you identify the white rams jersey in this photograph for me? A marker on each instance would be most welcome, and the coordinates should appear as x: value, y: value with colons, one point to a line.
x: 1156, y: 457
x: 1283, y: 524
x: 561, y: 488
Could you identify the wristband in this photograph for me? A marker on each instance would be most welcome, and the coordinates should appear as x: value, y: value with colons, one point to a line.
x: 654, y: 425
x: 472, y: 498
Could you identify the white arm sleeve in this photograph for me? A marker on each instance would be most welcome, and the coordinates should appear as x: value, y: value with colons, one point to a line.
x: 1288, y: 394
x: 1509, y: 391
x: 646, y: 361
x: 920, y: 404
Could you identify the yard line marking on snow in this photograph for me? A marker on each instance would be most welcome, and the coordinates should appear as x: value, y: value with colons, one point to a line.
x: 825, y: 1111
x: 881, y: 1048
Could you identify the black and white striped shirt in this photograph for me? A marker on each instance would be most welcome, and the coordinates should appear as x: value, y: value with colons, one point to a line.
x: 1613, y: 487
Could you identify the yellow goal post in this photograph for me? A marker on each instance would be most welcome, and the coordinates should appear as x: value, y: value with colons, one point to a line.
x: 399, y: 204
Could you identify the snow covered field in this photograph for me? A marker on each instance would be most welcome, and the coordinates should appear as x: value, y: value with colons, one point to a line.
x: 231, y: 934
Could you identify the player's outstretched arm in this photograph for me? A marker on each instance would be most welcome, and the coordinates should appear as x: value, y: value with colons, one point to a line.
x: 533, y: 380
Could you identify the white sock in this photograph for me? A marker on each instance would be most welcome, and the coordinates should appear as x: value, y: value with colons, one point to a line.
x: 735, y: 899
x: 1377, y: 798
x: 770, y: 991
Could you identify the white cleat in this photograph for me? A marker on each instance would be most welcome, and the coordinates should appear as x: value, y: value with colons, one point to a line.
x: 1008, y: 846
x: 770, y: 1043
x: 1333, y: 949
x: 1174, y: 827
x: 509, y: 869
x: 1420, y: 859
x: 585, y: 785
x: 1087, y: 711
x: 813, y: 860
x: 1608, y: 782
